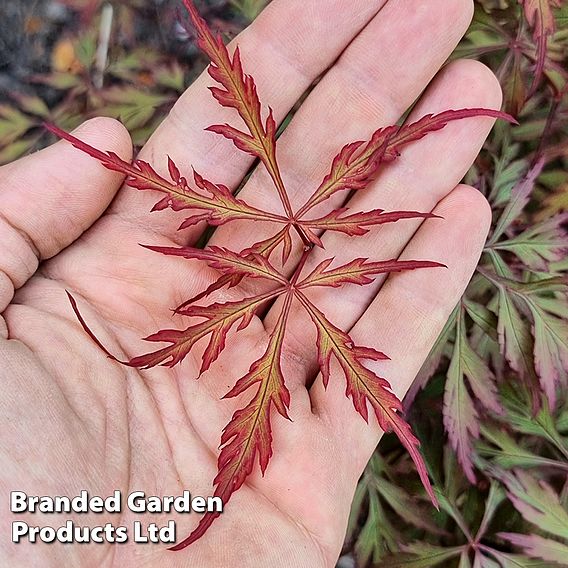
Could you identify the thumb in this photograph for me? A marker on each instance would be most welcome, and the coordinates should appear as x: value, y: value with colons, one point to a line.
x: 50, y: 198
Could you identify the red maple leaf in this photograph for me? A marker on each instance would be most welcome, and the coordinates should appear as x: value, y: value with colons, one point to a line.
x: 247, y: 439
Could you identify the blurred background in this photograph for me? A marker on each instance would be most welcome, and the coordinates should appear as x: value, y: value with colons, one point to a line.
x: 490, y: 404
x: 70, y: 59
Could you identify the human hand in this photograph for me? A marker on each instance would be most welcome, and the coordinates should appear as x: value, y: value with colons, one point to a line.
x: 74, y: 420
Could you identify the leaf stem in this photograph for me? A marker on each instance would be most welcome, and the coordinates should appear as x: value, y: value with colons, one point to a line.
x: 307, y: 242
x: 274, y: 171
x: 301, y: 264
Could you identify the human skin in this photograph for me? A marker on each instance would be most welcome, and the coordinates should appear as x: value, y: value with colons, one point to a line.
x: 72, y: 419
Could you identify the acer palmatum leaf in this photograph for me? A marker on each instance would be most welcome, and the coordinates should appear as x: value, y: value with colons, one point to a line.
x: 359, y: 224
x: 432, y: 123
x: 359, y: 271
x: 358, y: 163
x: 219, y: 320
x: 248, y: 436
x: 540, y: 17
x: 239, y: 92
x: 363, y: 385
x: 218, y: 208
x: 230, y: 263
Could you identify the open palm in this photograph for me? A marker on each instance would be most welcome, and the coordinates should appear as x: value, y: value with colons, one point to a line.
x: 72, y: 419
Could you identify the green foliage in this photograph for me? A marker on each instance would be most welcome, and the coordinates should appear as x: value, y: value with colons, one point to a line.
x: 127, y: 80
x: 250, y: 9
x: 498, y: 374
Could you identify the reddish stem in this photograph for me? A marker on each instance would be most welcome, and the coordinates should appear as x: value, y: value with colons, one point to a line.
x: 307, y: 250
x: 304, y: 236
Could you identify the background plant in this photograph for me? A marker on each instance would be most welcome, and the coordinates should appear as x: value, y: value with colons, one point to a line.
x: 500, y: 363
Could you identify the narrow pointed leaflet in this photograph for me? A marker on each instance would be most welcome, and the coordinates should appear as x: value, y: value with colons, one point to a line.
x: 363, y: 385
x: 358, y: 163
x: 219, y: 320
x: 540, y: 18
x: 359, y: 224
x: 359, y: 271
x: 248, y: 436
x: 239, y: 92
x: 264, y: 249
x: 253, y: 265
x: 217, y: 208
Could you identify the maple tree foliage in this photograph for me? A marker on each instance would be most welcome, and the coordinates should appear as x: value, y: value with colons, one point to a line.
x: 540, y: 17
x: 247, y: 439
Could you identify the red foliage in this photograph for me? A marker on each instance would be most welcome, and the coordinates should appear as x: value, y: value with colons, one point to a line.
x: 247, y: 438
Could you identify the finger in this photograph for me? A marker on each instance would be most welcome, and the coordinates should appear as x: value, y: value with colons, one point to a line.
x: 377, y: 78
x: 424, y: 175
x: 48, y: 199
x: 408, y: 314
x: 284, y: 53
